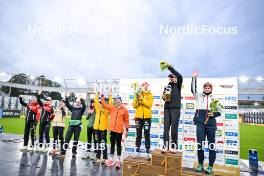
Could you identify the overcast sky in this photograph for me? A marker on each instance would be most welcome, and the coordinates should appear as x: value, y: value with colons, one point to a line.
x: 123, y: 39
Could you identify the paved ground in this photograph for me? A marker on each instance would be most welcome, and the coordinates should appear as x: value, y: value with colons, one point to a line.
x: 14, y: 162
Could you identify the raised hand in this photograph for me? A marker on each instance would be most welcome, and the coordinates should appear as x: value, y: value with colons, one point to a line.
x: 195, y: 74
x: 67, y: 94
x: 164, y: 65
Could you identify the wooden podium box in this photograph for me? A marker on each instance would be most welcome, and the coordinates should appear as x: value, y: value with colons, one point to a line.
x: 150, y: 170
x: 172, y: 162
x: 161, y: 164
x: 131, y: 165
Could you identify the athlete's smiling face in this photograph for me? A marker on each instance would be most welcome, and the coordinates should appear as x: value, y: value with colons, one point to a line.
x: 173, y: 79
x: 78, y: 103
x: 207, y: 89
x: 145, y: 87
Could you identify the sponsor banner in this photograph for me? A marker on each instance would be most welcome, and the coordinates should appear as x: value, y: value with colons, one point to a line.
x: 189, y: 98
x: 231, y: 143
x: 131, y: 134
x: 154, y: 120
x: 191, y: 113
x: 231, y: 134
x: 129, y: 149
x: 231, y: 152
x: 219, y: 124
x: 231, y: 107
x: 219, y: 133
x: 189, y: 106
x: 230, y: 116
x: 11, y: 113
x: 188, y: 122
x: 227, y: 134
x: 131, y: 111
x: 154, y: 135
x: 231, y: 161
x: 231, y: 125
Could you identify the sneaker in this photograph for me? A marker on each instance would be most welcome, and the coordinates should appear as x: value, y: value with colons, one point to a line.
x: 103, y: 161
x: 97, y: 161
x: 136, y: 156
x: 53, y: 151
x: 109, y: 162
x: 62, y: 156
x: 86, y: 156
x: 164, y: 150
x: 45, y: 150
x: 93, y: 156
x: 209, y: 170
x: 118, y: 164
x: 24, y: 149
x: 199, y: 168
x: 30, y: 149
x: 148, y: 158
x: 173, y: 150
x: 40, y: 149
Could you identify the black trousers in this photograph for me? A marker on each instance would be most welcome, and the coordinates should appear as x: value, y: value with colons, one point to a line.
x: 29, y: 129
x: 72, y: 130
x: 115, y: 139
x: 201, y: 133
x: 101, y: 141
x: 140, y: 124
x: 171, y: 120
x: 90, y: 138
x: 44, y: 128
x: 58, y: 134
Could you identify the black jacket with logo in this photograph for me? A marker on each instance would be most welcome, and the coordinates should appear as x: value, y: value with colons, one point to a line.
x: 76, y: 113
x: 175, y: 101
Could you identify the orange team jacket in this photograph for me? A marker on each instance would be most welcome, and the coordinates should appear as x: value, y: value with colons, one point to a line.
x: 119, y: 117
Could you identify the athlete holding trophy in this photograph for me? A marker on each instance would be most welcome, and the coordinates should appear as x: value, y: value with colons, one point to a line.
x: 172, y: 97
x: 142, y: 102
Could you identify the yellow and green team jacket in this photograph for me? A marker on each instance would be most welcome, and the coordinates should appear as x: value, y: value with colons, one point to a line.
x: 143, y: 104
x: 101, y: 117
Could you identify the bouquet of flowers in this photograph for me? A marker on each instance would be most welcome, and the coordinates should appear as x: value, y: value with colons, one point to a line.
x: 164, y: 65
x: 215, y: 106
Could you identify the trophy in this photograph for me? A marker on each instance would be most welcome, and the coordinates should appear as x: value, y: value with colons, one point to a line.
x: 167, y: 93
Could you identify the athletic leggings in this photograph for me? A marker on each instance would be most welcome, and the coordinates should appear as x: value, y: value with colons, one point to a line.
x: 44, y: 128
x: 29, y: 129
x: 58, y: 134
x: 115, y: 139
x: 101, y: 141
x: 76, y: 130
x: 90, y: 137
